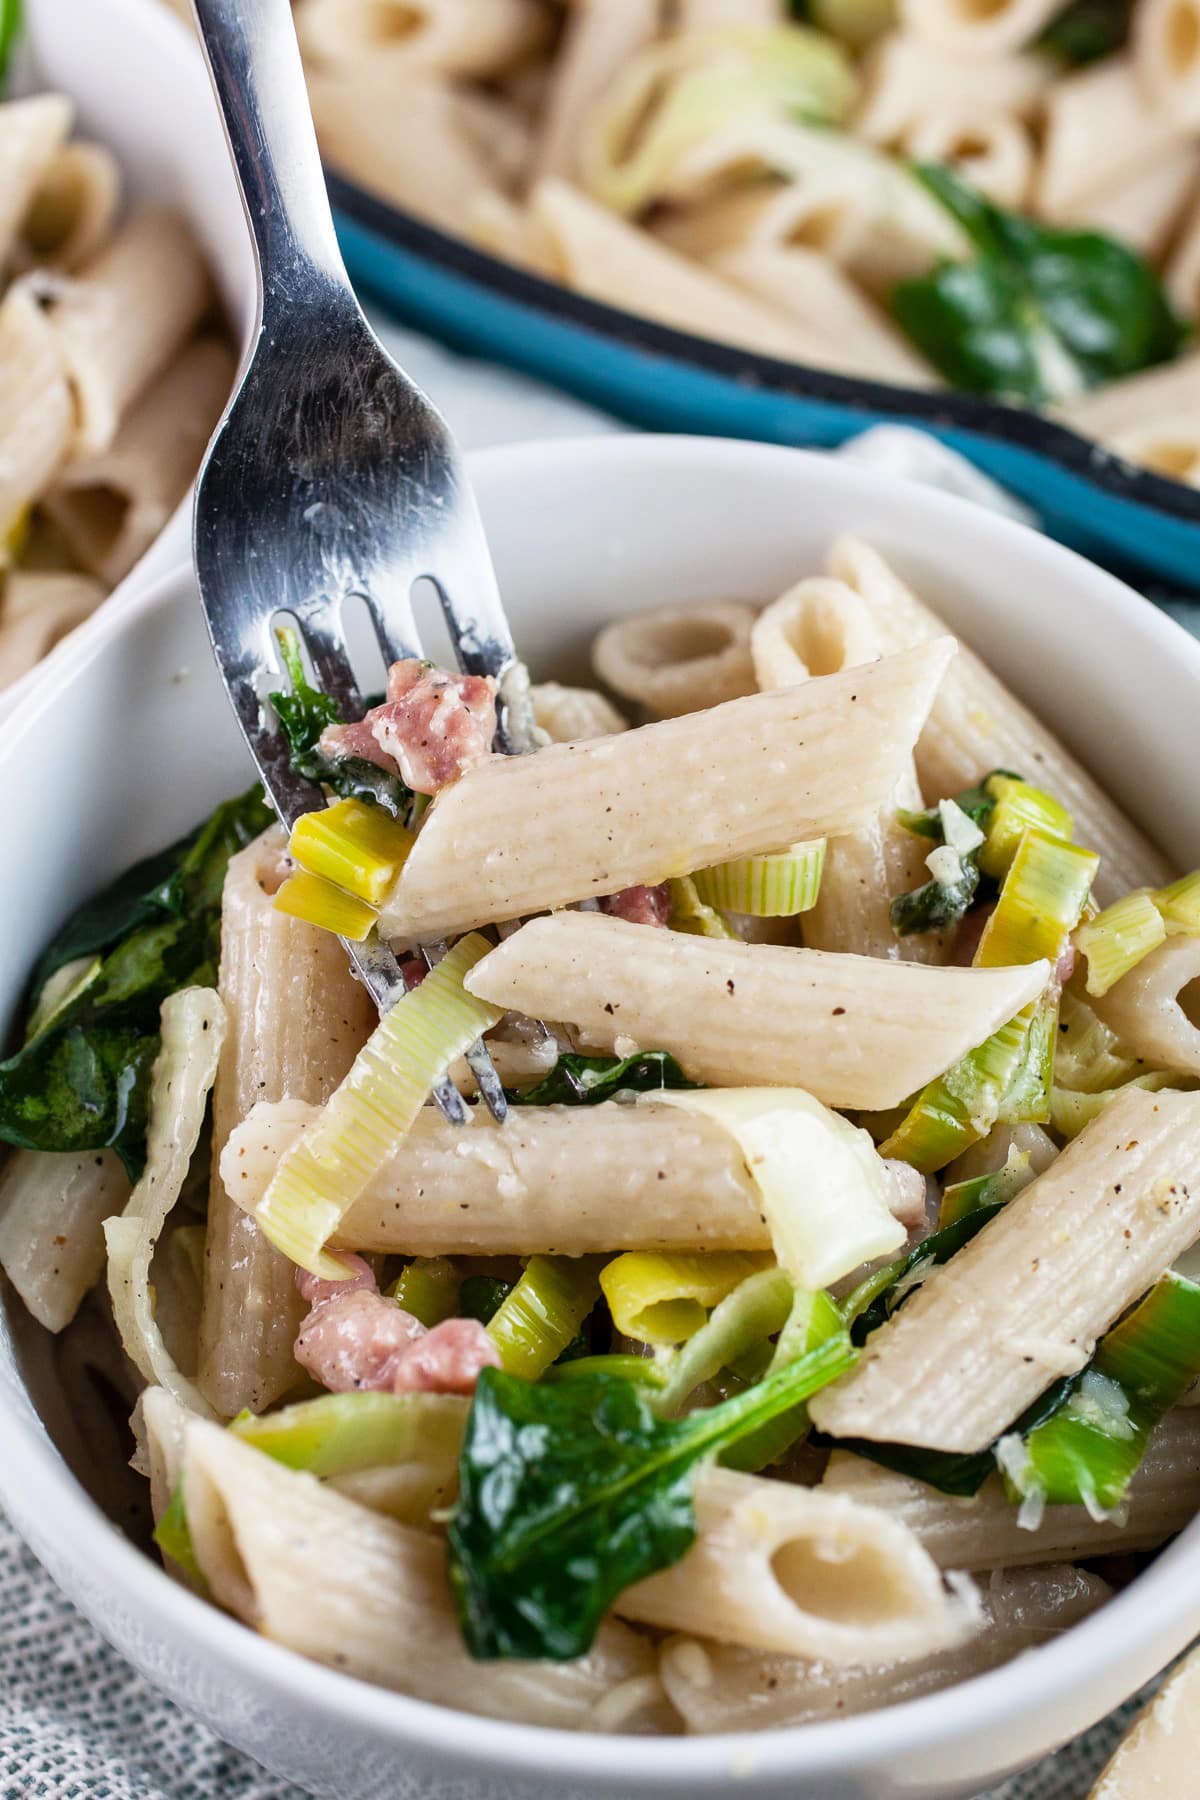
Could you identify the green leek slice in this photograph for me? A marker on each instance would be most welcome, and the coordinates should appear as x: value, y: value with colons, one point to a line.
x: 365, y: 1120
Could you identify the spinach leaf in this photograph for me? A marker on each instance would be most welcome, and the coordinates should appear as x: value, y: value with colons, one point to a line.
x: 303, y: 714
x: 1039, y: 314
x: 82, y: 1082
x: 570, y: 1491
x: 935, y: 905
x: 586, y: 1080
x: 976, y: 802
x: 481, y: 1296
x: 1087, y: 30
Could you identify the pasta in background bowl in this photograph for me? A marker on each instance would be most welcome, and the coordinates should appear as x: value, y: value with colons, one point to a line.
x: 705, y: 217
x: 126, y: 282
x: 618, y: 527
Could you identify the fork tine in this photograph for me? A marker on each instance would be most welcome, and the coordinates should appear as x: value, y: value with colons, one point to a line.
x: 395, y: 627
x: 330, y: 658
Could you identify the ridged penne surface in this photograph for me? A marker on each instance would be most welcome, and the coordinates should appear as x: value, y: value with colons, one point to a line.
x: 976, y: 725
x: 264, y: 1536
x: 798, y: 1570
x: 748, y: 776
x: 856, y: 1031
x: 984, y: 1533
x: 296, y: 1021
x: 1026, y: 1299
x: 720, y: 1687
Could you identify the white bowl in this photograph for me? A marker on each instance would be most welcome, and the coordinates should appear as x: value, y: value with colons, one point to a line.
x: 129, y: 740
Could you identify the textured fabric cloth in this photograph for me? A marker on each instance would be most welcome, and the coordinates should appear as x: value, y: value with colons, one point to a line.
x: 76, y: 1722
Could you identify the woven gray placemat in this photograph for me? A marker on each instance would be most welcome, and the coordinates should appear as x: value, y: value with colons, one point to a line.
x: 78, y: 1723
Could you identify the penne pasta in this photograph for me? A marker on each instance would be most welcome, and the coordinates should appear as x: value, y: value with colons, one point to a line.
x: 995, y: 155
x: 1080, y: 160
x: 261, y: 1535
x: 555, y: 1180
x: 600, y: 255
x: 817, y: 628
x: 296, y: 1020
x: 1153, y: 1008
x: 1183, y: 273
x: 1024, y: 1302
x: 122, y: 317
x: 975, y: 724
x: 805, y: 1573
x: 429, y: 37
x: 985, y: 1533
x: 73, y: 207
x: 906, y: 79
x: 567, y: 714
x: 834, y: 748
x: 958, y: 27
x: 390, y: 149
x: 111, y: 505
x: 855, y: 1031
x: 32, y: 132
x: 850, y: 333
x: 599, y: 36
x: 37, y: 413
x: 52, y: 1212
x: 719, y: 1687
x: 37, y: 610
x: 678, y: 659
x: 1142, y: 209
x: 1153, y: 418
x: 1166, y: 56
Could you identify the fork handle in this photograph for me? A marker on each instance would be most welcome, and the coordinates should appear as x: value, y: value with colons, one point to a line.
x: 254, y: 61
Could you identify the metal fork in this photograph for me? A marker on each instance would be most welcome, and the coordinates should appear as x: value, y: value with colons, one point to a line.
x: 330, y: 475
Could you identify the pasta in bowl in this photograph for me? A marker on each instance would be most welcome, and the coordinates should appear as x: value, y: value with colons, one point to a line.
x: 115, y: 362
x: 723, y: 1596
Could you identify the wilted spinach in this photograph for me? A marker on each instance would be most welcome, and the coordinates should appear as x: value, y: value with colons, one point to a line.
x: 1039, y: 313
x: 303, y: 714
x: 81, y: 1082
x: 1086, y: 31
x: 586, y: 1080
x: 570, y: 1491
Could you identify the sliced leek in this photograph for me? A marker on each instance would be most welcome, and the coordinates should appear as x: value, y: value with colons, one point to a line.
x: 766, y: 887
x: 962, y: 1197
x: 319, y: 902
x: 357, y: 847
x: 365, y: 1120
x: 665, y: 1298
x: 427, y: 1288
x: 541, y: 1315
x: 961, y: 1106
x: 824, y: 1190
x: 1088, y: 1056
x: 338, y: 1434
x: 745, y: 1319
x: 677, y: 93
x: 61, y: 990
x: 690, y: 913
x: 1088, y: 1452
x: 814, y: 1319
x: 1019, y: 807
x: 1070, y: 1112
x: 1117, y: 939
x: 1179, y: 903
x: 1040, y: 903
